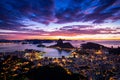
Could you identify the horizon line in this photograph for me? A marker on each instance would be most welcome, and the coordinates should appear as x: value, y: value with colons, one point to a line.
x: 59, y: 38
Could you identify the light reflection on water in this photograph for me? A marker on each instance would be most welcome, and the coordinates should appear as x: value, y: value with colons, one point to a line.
x: 51, y: 52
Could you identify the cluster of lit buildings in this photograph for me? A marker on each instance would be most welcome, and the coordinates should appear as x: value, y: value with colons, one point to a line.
x: 93, y: 66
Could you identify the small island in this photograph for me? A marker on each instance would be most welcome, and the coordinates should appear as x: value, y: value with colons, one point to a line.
x: 61, y: 45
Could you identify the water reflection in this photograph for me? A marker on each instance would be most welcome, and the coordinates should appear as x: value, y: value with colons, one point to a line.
x: 50, y: 52
x: 60, y: 51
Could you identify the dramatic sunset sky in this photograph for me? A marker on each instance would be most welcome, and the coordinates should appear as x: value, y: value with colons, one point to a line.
x: 53, y: 19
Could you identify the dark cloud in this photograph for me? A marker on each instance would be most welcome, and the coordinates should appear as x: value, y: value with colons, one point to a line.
x: 103, y: 5
x: 89, y: 10
x: 13, y: 12
x: 87, y: 29
x: 76, y: 27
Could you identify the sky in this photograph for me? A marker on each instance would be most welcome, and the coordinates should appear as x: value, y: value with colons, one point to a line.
x: 54, y: 19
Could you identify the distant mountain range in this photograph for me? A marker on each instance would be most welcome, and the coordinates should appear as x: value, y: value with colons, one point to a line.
x: 32, y: 41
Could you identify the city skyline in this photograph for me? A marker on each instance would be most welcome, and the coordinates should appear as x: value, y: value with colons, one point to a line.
x: 54, y: 19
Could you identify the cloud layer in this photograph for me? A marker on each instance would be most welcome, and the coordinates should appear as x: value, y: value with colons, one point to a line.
x: 36, y: 16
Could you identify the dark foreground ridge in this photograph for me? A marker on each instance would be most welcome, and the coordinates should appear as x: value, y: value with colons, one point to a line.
x: 51, y: 72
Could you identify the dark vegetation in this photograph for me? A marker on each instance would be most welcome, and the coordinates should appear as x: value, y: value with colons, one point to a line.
x: 51, y: 72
